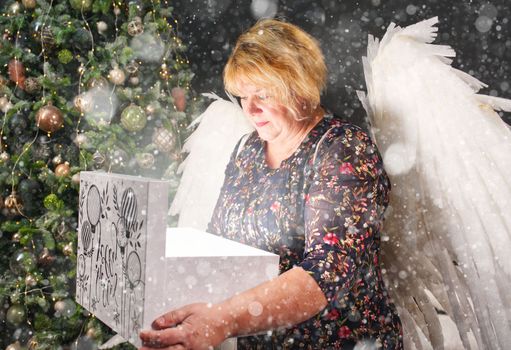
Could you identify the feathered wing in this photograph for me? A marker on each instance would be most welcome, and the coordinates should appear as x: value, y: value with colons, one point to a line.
x: 209, y: 147
x: 448, y: 227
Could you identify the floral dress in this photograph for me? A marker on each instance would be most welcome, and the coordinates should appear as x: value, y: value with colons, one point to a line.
x: 322, y: 210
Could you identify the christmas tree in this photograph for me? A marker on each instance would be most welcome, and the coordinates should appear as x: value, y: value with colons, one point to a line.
x: 84, y: 85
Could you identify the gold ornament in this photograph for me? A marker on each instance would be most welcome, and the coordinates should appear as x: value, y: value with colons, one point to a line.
x: 46, y: 38
x: 30, y: 280
x: 45, y: 258
x: 164, y: 72
x: 16, y: 237
x: 145, y: 160
x: 163, y: 139
x: 3, y: 81
x: 57, y: 159
x: 33, y: 344
x: 117, y: 76
x: 99, y: 82
x: 14, y: 346
x: 32, y: 85
x: 76, y: 178
x: 132, y: 67
x: 15, y: 8
x: 4, y: 101
x: 5, y: 104
x: 13, y: 201
x: 13, y: 204
x: 117, y: 11
x: 4, y: 157
x: 179, y: 96
x: 83, y: 103
x: 135, y: 27
x: 176, y: 157
x: 80, y: 139
x: 49, y: 118
x: 62, y: 170
x: 28, y: 4
x: 68, y: 249
x: 92, y: 333
x: 150, y: 109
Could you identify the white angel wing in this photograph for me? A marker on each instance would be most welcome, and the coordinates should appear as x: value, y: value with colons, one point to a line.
x: 209, y: 147
x: 448, y: 154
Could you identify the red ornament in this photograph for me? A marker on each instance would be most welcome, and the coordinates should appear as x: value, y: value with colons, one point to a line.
x: 17, y: 72
x: 179, y: 96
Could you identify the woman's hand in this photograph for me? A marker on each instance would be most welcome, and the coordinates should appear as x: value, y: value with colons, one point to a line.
x: 195, y: 326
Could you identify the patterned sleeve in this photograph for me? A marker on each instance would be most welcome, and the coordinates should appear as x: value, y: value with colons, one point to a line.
x: 344, y: 210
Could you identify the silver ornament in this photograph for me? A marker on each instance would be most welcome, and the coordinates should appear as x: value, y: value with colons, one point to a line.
x: 134, y: 80
x: 98, y: 159
x: 101, y: 26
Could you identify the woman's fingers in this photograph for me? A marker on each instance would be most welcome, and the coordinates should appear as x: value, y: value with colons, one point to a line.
x: 162, y: 338
x: 173, y: 347
x: 170, y: 319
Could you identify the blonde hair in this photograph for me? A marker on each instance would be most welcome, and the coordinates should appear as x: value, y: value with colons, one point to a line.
x: 281, y: 58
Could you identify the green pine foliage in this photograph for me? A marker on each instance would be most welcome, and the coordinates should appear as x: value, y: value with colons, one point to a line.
x: 117, y: 74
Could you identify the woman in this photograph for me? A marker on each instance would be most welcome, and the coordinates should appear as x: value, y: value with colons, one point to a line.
x: 308, y: 187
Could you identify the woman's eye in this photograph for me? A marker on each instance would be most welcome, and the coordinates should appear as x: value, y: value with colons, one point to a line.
x: 262, y: 97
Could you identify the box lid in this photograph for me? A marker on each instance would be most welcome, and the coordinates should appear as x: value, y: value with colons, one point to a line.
x: 190, y: 242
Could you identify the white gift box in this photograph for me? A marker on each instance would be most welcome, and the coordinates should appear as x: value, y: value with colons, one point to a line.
x: 131, y: 268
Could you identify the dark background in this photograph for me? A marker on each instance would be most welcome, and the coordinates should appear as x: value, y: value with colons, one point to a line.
x: 479, y: 31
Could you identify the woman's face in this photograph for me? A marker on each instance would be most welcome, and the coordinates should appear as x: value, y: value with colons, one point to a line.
x: 271, y: 120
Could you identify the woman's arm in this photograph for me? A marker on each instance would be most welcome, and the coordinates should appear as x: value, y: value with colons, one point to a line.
x: 289, y: 299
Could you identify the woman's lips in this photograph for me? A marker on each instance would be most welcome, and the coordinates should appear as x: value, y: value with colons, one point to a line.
x: 261, y: 124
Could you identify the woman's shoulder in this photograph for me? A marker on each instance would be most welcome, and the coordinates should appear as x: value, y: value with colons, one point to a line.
x: 350, y: 146
x: 341, y: 132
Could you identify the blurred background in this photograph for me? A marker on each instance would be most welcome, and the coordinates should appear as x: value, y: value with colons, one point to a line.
x: 479, y: 31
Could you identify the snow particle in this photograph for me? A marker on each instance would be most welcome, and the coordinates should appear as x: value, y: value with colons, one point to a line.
x: 483, y: 24
x: 411, y: 9
x: 263, y: 8
x: 255, y: 308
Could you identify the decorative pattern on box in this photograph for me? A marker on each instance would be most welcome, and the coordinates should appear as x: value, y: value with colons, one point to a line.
x: 112, y: 244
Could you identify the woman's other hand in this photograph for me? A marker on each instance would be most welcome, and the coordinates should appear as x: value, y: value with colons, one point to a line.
x: 195, y: 326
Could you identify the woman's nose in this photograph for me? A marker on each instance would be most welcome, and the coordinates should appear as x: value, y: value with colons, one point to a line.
x: 251, y: 107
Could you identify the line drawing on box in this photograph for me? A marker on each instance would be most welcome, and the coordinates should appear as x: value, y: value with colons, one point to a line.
x: 112, y: 245
x: 125, y: 229
x: 93, y: 207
